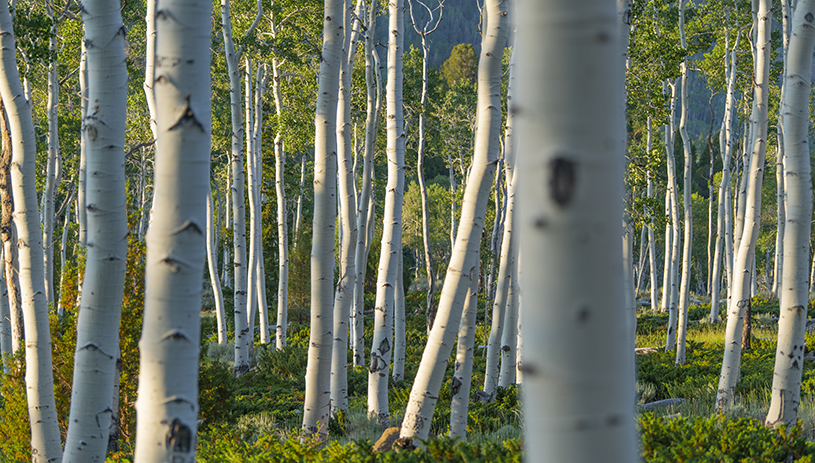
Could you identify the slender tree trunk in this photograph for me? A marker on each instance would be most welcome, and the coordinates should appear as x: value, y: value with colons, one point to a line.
x: 220, y: 314
x: 391, y: 246
x: 51, y: 165
x: 344, y: 295
x: 8, y: 233
x: 45, y: 437
x: 499, y: 307
x: 512, y: 320
x: 462, y: 376
x: 399, y: 339
x: 167, y: 402
x: 251, y: 276
x: 780, y: 207
x: 374, y: 90
x: 464, y: 258
x: 670, y: 343
x: 789, y: 357
x: 282, y: 225
x: 97, y: 344
x: 81, y: 211
x: 740, y: 296
x: 318, y: 397
x: 652, y: 247
x: 575, y: 105
x: 259, y: 269
x: 5, y: 321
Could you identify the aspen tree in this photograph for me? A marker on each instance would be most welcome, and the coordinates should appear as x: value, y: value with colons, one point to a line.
x: 45, y: 437
x: 220, y: 314
x: 344, y: 295
x: 743, y: 266
x: 318, y: 371
x: 684, y: 290
x: 391, y: 247
x: 5, y: 321
x: 81, y: 213
x: 499, y: 306
x: 512, y: 322
x: 789, y: 357
x: 673, y: 289
x: 8, y: 234
x: 97, y: 344
x: 652, y: 248
x: 424, y: 393
x: 251, y: 275
x: 233, y: 57
x: 578, y: 405
x: 167, y: 402
x: 462, y: 376
x: 373, y: 83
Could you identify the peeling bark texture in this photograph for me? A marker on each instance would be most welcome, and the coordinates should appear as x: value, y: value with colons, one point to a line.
x: 317, y: 402
x: 571, y: 79
x: 45, y: 437
x: 743, y: 266
x: 789, y: 362
x: 8, y: 234
x: 391, y: 246
x: 167, y: 402
x: 100, y: 308
x: 464, y: 258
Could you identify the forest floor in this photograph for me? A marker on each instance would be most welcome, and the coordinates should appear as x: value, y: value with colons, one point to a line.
x: 257, y: 417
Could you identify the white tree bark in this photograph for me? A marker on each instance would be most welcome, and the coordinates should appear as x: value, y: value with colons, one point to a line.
x: 220, y: 314
x: 100, y: 308
x: 318, y: 397
x: 569, y: 218
x: 652, y: 247
x: 251, y: 276
x: 344, y: 295
x: 464, y: 258
x: 167, y: 402
x: 81, y: 214
x: 499, y: 306
x: 789, y: 357
x: 242, y: 335
x: 778, y: 265
x: 687, y: 249
x: 462, y: 376
x: 673, y: 289
x: 282, y: 225
x: 373, y: 83
x: 740, y: 296
x: 45, y: 437
x: 8, y: 232
x: 5, y: 320
x: 51, y: 164
x: 391, y: 246
x: 512, y: 322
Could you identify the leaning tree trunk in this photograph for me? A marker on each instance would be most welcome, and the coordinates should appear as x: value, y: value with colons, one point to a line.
x: 789, y: 356
x: 167, y: 402
x: 42, y: 412
x: 425, y: 391
x: 463, y: 374
x: 220, y: 314
x: 391, y: 245
x: 100, y: 308
x: 740, y: 298
x: 570, y: 209
x: 318, y: 396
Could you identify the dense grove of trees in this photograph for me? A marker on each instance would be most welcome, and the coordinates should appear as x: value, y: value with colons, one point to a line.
x: 294, y: 157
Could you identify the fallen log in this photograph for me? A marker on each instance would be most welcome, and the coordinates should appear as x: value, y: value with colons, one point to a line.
x: 662, y: 403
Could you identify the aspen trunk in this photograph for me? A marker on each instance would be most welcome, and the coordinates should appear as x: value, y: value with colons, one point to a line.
x: 740, y: 296
x: 51, y: 164
x: 781, y: 221
x: 462, y: 376
x: 789, y: 357
x: 259, y: 269
x: 8, y: 233
x: 391, y: 246
x: 318, y: 397
x: 374, y: 90
x: 670, y: 343
x: 5, y: 321
x: 652, y: 247
x: 282, y: 225
x: 464, y: 259
x: 167, y: 402
x: 81, y: 212
x: 512, y: 320
x: 45, y: 437
x: 100, y: 308
x: 344, y: 295
x: 570, y: 185
x: 251, y: 276
x: 220, y: 314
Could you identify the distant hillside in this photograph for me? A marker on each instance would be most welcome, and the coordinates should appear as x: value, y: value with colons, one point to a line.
x: 459, y: 24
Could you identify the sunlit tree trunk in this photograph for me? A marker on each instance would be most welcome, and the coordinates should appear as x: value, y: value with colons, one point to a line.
x: 499, y: 306
x: 462, y: 376
x: 512, y: 322
x: 670, y: 343
x: 652, y: 247
x: 789, y: 357
x: 45, y: 437
x: 569, y: 219
x: 318, y: 372
x: 684, y: 290
x: 423, y: 395
x: 100, y: 308
x: 344, y: 295
x: 8, y: 233
x: 282, y: 225
x: 51, y: 164
x: 373, y: 83
x: 251, y: 181
x: 5, y: 321
x: 391, y: 246
x: 740, y: 297
x: 167, y: 402
x: 81, y: 213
